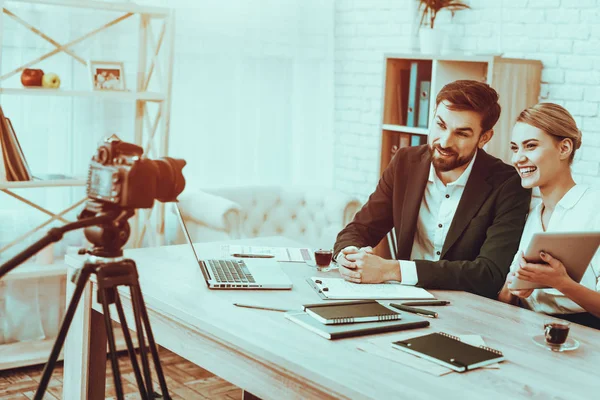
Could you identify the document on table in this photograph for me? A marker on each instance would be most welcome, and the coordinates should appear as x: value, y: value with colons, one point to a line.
x: 381, y: 347
x: 284, y: 254
x: 340, y: 289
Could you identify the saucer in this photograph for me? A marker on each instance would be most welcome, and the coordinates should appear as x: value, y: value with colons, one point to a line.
x: 569, y: 344
x: 331, y: 267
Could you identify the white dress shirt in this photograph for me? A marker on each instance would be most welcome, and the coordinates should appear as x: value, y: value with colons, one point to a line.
x: 437, y: 211
x: 575, y: 212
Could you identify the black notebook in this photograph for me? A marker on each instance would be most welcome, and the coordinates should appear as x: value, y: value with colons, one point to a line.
x: 350, y: 312
x: 449, y: 351
x: 349, y: 330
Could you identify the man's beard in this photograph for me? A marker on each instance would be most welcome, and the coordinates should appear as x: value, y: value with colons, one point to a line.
x: 449, y: 163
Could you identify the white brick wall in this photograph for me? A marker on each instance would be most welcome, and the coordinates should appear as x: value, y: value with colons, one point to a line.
x: 563, y: 34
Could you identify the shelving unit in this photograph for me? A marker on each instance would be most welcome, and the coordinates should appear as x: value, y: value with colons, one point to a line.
x: 405, y: 129
x: 154, y: 65
x: 517, y: 81
x: 40, y: 183
x: 108, y: 95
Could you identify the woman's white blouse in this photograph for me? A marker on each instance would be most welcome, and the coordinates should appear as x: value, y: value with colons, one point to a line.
x: 577, y: 211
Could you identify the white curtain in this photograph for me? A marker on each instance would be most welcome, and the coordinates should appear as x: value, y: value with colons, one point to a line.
x: 253, y: 91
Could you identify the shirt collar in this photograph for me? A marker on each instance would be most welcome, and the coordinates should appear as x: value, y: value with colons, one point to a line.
x: 462, y: 179
x: 572, y: 197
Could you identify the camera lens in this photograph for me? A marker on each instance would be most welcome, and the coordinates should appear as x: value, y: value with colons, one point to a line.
x: 169, y: 180
x: 103, y: 155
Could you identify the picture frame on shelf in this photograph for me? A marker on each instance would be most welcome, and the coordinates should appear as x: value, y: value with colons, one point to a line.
x: 108, y: 75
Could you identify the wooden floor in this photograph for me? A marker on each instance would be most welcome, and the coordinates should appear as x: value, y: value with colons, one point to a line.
x: 184, y: 381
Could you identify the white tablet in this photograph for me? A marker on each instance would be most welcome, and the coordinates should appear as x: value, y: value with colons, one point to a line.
x: 574, y: 249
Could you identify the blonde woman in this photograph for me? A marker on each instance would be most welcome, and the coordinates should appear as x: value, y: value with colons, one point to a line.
x: 544, y: 140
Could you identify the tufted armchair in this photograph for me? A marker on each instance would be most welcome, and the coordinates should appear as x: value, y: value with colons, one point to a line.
x: 309, y: 215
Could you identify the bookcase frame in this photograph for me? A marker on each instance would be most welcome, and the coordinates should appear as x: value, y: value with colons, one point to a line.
x: 152, y: 133
x: 517, y: 82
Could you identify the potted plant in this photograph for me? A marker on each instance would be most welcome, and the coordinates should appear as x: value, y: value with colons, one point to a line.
x: 431, y: 40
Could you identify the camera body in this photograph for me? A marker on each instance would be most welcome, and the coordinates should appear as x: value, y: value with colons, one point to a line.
x: 119, y: 175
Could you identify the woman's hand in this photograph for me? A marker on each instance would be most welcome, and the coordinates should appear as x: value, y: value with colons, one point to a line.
x: 553, y: 274
x: 522, y: 293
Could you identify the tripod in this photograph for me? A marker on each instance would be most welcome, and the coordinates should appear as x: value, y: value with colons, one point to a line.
x: 108, y: 231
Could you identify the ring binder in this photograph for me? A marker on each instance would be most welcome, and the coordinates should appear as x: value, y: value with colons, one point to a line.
x: 492, y: 350
x: 450, y: 336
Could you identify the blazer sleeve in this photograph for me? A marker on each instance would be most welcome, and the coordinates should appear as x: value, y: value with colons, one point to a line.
x: 375, y: 218
x: 486, y: 274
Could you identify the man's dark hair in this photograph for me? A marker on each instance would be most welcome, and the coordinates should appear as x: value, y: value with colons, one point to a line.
x: 468, y: 95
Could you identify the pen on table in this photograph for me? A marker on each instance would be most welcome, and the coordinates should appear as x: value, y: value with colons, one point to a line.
x: 243, y: 255
x: 260, y: 307
x: 426, y: 303
x: 419, y: 311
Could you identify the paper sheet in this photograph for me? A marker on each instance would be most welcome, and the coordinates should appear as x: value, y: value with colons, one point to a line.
x: 382, y: 347
x: 337, y: 288
x: 401, y: 357
x: 283, y: 254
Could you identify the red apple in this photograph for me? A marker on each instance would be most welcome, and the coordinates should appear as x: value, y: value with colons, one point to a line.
x: 32, y: 77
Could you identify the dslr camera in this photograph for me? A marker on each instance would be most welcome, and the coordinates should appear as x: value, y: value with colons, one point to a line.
x: 118, y: 175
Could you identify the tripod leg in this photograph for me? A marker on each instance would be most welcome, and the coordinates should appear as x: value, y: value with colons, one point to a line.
x: 82, y: 278
x: 140, y: 332
x: 130, y: 348
x: 152, y: 344
x: 111, y: 343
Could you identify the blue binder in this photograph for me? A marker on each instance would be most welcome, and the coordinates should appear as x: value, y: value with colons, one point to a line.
x: 418, y: 73
x: 423, y: 119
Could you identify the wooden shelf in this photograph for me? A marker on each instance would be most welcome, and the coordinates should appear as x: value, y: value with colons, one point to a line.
x: 41, y: 183
x: 462, y: 57
x: 103, y: 5
x: 406, y: 129
x: 445, y: 57
x: 103, y: 94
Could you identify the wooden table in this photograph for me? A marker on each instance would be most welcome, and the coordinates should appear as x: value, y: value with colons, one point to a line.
x: 271, y: 357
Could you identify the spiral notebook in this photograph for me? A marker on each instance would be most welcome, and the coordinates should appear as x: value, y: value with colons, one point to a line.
x: 350, y: 312
x: 450, y: 351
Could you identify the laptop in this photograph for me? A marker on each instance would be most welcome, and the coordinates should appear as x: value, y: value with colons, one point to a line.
x: 233, y: 273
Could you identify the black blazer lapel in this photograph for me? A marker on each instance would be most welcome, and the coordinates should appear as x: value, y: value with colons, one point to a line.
x: 476, y: 192
x: 414, y: 189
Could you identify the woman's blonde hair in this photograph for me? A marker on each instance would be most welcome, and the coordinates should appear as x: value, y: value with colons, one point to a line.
x: 555, y: 120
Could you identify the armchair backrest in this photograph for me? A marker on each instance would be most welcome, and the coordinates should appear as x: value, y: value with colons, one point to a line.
x: 310, y: 215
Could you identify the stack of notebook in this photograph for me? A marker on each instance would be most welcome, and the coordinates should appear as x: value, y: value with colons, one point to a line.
x: 345, y: 319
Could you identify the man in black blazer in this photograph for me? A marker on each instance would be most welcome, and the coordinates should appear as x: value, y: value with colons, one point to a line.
x: 457, y: 211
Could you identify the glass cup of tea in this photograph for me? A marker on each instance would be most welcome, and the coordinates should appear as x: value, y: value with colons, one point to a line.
x: 556, y: 332
x: 323, y: 258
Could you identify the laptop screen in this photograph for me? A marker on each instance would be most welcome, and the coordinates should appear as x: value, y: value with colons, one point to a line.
x: 185, y: 231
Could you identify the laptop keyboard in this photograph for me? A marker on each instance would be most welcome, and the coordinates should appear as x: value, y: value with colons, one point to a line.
x: 230, y: 271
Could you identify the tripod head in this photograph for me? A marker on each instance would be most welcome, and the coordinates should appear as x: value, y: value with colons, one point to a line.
x: 107, y: 238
